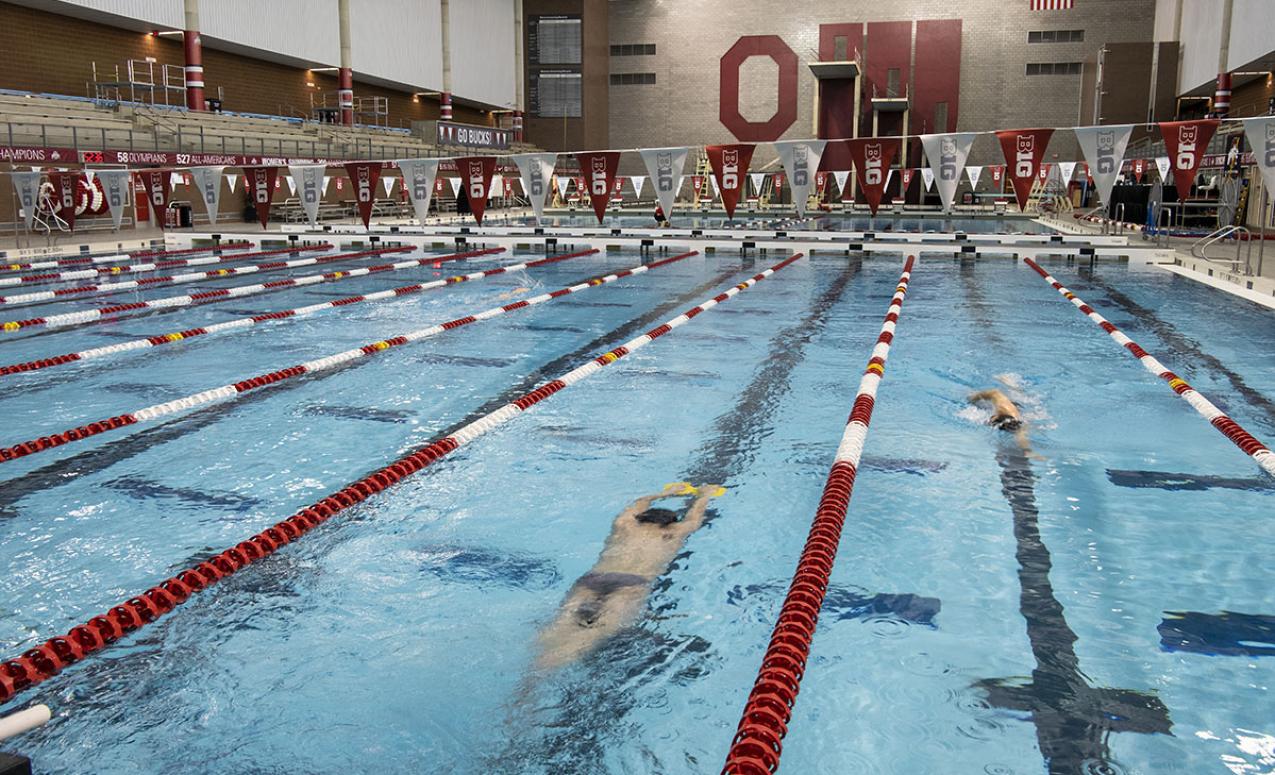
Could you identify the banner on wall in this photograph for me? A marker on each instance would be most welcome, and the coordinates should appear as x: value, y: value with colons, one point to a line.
x: 476, y: 172
x: 946, y: 155
x: 779, y: 180
x: 1162, y: 164
x: 598, y: 170
x: 65, y: 186
x: 261, y: 183
x: 872, y: 158
x: 1185, y: 142
x: 363, y: 176
x: 1261, y: 138
x: 208, y: 184
x: 536, y: 171
x: 664, y: 166
x: 800, y: 159
x: 156, y: 183
x: 973, y: 173
x: 440, y: 186
x: 115, y: 189
x: 582, y: 187
x: 308, y: 182
x: 1023, y: 149
x: 1103, y: 148
x: 639, y: 181
x: 1066, y: 169
x: 27, y: 187
x: 730, y: 170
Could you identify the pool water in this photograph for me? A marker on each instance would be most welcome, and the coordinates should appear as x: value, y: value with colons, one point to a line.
x: 770, y: 221
x: 987, y: 610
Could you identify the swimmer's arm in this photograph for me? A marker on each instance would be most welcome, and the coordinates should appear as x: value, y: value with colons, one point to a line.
x: 694, y: 518
x: 625, y: 520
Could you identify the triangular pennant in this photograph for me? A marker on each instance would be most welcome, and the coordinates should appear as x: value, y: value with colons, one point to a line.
x: 27, y: 187
x: 308, y: 179
x: 1186, y: 142
x: 599, y: 172
x: 115, y: 189
x: 89, y: 175
x: 387, y: 182
x: 174, y: 179
x: 974, y: 173
x: 420, y: 180
x: 664, y: 165
x: 821, y: 184
x: 1162, y: 164
x: 998, y: 176
x: 232, y: 181
x: 1261, y: 137
x: 889, y: 175
x: 1139, y: 167
x: 157, y: 188
x: 292, y: 185
x: 717, y: 191
x: 536, y: 172
x: 476, y: 172
x: 564, y: 183
x: 1044, y: 172
x: 1023, y: 150
x: 946, y: 155
x: 730, y: 170
x: 363, y: 176
x: 497, y: 187
x: 65, y: 190
x: 326, y: 180
x: 842, y: 177
x: 778, y: 179
x: 800, y: 159
x: 927, y: 176
x: 1066, y: 169
x: 872, y: 158
x: 455, y: 184
x: 638, y: 182
x: 905, y: 180
x: 757, y: 179
x: 208, y: 185
x: 260, y: 184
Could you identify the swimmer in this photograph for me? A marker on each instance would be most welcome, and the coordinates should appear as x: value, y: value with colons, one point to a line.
x: 643, y: 541
x: 515, y: 292
x: 1006, y: 416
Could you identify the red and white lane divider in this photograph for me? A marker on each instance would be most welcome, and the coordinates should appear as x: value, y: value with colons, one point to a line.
x: 235, y: 389
x: 114, y: 257
x: 222, y: 294
x: 759, y: 740
x: 1216, y: 417
x: 43, y: 662
x: 248, y: 322
x: 178, y: 279
x: 151, y: 266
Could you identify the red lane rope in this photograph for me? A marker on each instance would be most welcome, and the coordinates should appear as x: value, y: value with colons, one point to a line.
x: 80, y: 274
x: 222, y: 294
x: 1216, y: 417
x: 41, y: 663
x: 286, y: 314
x: 113, y: 257
x: 235, y: 389
x: 758, y: 742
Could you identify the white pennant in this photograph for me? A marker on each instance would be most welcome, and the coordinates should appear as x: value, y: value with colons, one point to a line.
x: 326, y: 181
x: 208, y: 184
x: 801, y: 160
x: 418, y: 180
x: 455, y: 184
x: 664, y: 166
x: 946, y: 155
x: 563, y: 182
x: 889, y: 176
x: 174, y: 179
x: 1162, y: 164
x: 387, y: 181
x: 638, y: 182
x: 536, y: 171
x: 758, y: 178
x: 842, y: 176
x: 292, y: 185
x: 1066, y: 169
x: 232, y: 180
x: 1261, y: 137
x: 497, y: 188
x: 927, y: 175
x: 717, y: 190
x: 308, y: 179
x: 974, y: 172
x: 1104, y: 148
x: 27, y: 185
x: 115, y: 187
x: 89, y: 174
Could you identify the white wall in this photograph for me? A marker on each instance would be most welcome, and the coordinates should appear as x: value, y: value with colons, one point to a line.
x: 399, y: 40
x: 1252, y: 31
x: 1201, y: 42
x: 1165, y: 14
x: 482, y: 48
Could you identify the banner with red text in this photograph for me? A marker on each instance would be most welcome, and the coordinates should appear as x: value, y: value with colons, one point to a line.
x: 730, y: 168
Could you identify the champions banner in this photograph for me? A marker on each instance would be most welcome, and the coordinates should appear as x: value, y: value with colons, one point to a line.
x: 260, y: 184
x: 364, y: 176
x: 157, y: 186
x: 27, y: 186
x: 1186, y: 142
x: 476, y: 172
x: 598, y: 170
x: 65, y: 187
x: 1261, y: 137
x: 308, y: 179
x: 800, y: 159
x: 1104, y: 147
x: 730, y: 168
x: 208, y: 184
x: 872, y: 158
x: 536, y: 170
x: 946, y: 155
x: 664, y: 166
x: 1023, y: 149
x: 115, y: 188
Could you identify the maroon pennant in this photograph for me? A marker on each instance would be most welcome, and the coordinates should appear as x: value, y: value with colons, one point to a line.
x: 998, y: 176
x: 730, y: 169
x: 598, y: 170
x: 65, y: 187
x: 1045, y: 169
x: 1023, y: 149
x: 260, y: 187
x: 364, y: 175
x: 1185, y: 142
x: 475, y: 180
x: 872, y: 158
x: 1139, y: 167
x: 158, y: 186
x: 906, y: 180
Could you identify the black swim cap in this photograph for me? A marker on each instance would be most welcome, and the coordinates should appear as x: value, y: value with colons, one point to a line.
x: 658, y: 516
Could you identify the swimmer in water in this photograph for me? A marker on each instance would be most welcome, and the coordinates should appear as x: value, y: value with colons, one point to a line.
x: 643, y: 541
x: 513, y: 293
x: 1006, y: 416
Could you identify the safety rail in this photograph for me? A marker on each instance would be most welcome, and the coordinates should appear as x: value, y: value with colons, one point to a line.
x: 1240, y: 234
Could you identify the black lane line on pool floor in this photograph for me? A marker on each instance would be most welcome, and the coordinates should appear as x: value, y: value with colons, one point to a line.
x: 101, y: 458
x: 1183, y: 345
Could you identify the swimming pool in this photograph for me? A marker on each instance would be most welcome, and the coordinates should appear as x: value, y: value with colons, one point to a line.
x: 401, y: 633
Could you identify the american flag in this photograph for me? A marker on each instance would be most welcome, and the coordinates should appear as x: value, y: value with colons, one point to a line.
x: 1052, y: 5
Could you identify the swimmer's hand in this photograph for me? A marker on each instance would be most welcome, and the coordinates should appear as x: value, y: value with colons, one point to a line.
x: 513, y: 293
x: 685, y: 488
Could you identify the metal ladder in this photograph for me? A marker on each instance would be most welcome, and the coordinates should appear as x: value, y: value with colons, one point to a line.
x: 1240, y: 234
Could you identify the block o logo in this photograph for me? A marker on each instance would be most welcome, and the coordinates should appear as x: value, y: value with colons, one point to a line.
x: 728, y: 96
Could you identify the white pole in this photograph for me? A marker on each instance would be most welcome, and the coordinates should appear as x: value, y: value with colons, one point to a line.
x: 24, y: 721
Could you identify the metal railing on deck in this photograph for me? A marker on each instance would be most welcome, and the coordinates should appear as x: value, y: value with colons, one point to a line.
x: 1241, y: 236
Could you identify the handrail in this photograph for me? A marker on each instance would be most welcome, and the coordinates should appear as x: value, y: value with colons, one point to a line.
x: 1200, y: 246
x: 1162, y: 236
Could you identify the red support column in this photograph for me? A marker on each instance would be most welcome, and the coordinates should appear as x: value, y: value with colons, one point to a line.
x: 345, y: 95
x: 445, y: 106
x: 194, y: 70
x: 1222, y: 95
x: 517, y: 126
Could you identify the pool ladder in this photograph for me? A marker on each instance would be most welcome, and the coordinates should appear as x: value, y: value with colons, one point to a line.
x: 1240, y: 234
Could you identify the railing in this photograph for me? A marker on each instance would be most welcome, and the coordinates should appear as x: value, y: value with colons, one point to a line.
x: 1163, y: 229
x: 1240, y: 234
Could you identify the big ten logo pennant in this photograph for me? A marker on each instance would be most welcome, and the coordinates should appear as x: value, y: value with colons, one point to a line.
x: 730, y: 169
x: 1026, y: 146
x: 598, y: 176
x: 476, y: 186
x: 364, y: 183
x: 873, y: 171
x: 1188, y: 136
x: 1106, y: 153
x: 948, y: 163
x: 800, y: 165
x: 536, y: 181
x: 664, y: 178
x: 260, y: 187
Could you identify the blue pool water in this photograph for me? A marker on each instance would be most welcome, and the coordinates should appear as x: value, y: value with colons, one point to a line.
x: 399, y: 636
x: 813, y: 222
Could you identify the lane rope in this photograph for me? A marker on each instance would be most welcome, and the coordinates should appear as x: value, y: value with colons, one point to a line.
x: 248, y: 322
x: 239, y: 291
x: 235, y: 389
x: 80, y: 274
x: 758, y: 741
x: 177, y: 279
x: 107, y: 258
x: 42, y: 662
x: 1216, y: 417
